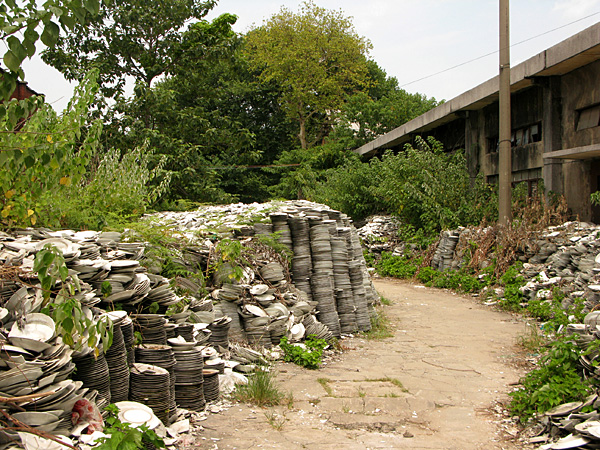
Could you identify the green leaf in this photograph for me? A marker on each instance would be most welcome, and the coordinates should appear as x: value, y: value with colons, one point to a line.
x: 29, y: 161
x: 11, y: 61
x: 50, y: 34
x: 92, y: 6
x: 17, y: 48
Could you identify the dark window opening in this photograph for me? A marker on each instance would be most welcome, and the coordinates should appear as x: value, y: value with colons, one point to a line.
x: 588, y: 117
x: 519, y: 137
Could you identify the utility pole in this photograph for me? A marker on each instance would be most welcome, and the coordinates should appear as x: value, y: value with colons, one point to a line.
x: 504, y: 150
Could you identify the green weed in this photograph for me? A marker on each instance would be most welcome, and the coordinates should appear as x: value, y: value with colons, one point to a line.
x: 261, y: 390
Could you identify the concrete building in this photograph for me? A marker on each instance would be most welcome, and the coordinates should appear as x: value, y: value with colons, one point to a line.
x: 555, y: 99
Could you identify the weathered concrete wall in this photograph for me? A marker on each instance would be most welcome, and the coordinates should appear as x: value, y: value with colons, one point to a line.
x: 580, y: 89
x: 526, y: 109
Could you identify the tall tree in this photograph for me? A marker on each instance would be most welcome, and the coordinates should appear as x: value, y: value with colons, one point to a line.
x: 317, y: 58
x: 129, y: 38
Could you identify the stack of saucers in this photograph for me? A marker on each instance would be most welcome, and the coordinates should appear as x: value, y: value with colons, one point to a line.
x: 93, y: 371
x: 189, y: 389
x: 161, y: 356
x: 186, y: 331
x: 116, y: 358
x: 152, y: 328
x: 211, y: 385
x: 272, y: 272
x: 230, y: 310
x: 128, y: 339
x: 150, y: 385
x: 280, y: 226
x: 219, y: 336
x: 358, y: 292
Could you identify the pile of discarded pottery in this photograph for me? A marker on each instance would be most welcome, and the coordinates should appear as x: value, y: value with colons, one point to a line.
x: 328, y: 268
x: 575, y: 424
x: 169, y: 351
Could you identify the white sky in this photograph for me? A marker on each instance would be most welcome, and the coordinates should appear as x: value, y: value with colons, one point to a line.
x: 411, y: 38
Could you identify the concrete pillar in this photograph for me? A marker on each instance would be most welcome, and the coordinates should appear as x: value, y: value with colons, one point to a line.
x: 552, y: 133
x: 577, y: 189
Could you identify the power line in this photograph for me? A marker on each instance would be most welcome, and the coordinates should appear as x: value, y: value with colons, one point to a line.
x: 496, y: 51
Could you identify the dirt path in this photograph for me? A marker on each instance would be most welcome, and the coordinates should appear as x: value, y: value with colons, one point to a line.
x: 428, y: 387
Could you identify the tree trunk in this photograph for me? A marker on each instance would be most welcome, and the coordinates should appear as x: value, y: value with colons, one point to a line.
x: 302, y: 134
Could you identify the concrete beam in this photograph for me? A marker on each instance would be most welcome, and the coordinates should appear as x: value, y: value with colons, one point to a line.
x: 565, y: 56
x: 586, y: 152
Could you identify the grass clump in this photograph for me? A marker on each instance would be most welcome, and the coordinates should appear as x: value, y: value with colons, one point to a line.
x: 261, y: 390
x: 324, y: 382
x: 380, y: 327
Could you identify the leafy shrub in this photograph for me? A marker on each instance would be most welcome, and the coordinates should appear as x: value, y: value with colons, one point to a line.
x: 398, y: 266
x: 308, y: 356
x: 122, y: 436
x: 44, y: 155
x: 512, y: 282
x: 428, y: 189
x: 120, y: 187
x: 557, y: 380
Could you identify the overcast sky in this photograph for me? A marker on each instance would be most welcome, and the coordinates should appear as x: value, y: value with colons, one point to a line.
x: 412, y: 39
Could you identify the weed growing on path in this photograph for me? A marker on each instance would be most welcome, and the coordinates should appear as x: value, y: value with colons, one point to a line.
x: 275, y: 419
x: 324, y: 382
x: 380, y: 327
x: 261, y: 390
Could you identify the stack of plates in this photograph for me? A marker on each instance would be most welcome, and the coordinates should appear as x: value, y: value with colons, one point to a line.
x: 343, y: 287
x: 150, y: 385
x: 66, y: 393
x: 211, y: 385
x: 230, y: 310
x: 161, y: 356
x: 215, y: 363
x: 277, y: 330
x: 280, y: 226
x: 152, y: 328
x: 189, y: 390
x: 331, y: 226
x: 202, y: 335
x: 324, y: 296
x: 205, y: 304
x: 272, y: 272
x: 161, y: 293
x: 186, y: 331
x: 313, y: 326
x: 116, y: 358
x: 128, y: 339
x: 219, y: 336
x: 358, y: 292
x: 93, y: 372
x: 263, y: 228
x: 230, y: 292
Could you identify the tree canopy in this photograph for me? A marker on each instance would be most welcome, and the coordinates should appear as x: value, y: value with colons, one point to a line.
x: 128, y: 38
x: 317, y: 58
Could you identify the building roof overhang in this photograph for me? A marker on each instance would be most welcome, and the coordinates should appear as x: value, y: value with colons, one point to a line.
x: 566, y: 56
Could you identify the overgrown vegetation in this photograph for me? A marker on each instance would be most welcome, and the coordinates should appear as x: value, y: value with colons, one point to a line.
x: 122, y: 436
x: 307, y: 354
x: 556, y: 380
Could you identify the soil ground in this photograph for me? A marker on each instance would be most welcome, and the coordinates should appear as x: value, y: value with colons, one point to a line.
x: 435, y: 384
